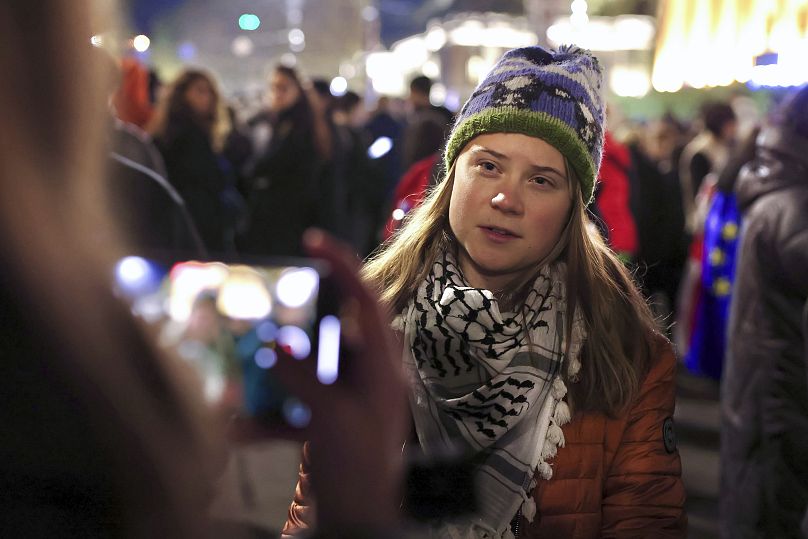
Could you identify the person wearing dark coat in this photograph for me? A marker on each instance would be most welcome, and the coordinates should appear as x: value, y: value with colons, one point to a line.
x: 656, y: 205
x: 764, y: 392
x: 187, y: 131
x: 150, y: 212
x: 281, y: 191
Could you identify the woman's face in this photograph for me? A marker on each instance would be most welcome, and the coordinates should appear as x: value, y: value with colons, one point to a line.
x: 510, y: 203
x: 283, y: 92
x: 200, y: 97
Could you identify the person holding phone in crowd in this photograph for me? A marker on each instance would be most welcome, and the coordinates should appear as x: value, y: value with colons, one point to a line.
x: 105, y: 433
x: 526, y: 343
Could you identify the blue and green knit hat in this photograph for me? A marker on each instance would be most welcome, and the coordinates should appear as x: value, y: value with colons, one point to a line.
x: 551, y: 95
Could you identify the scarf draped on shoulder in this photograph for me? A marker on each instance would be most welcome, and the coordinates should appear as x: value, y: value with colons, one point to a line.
x: 489, y: 384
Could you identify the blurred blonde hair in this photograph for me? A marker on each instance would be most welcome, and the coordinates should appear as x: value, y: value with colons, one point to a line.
x: 620, y: 327
x: 59, y: 247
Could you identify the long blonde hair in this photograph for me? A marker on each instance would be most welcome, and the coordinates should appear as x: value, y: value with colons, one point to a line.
x: 620, y: 327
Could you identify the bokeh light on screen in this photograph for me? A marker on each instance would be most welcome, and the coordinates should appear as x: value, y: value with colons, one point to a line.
x: 328, y: 350
x: 188, y: 280
x: 267, y: 331
x: 244, y: 295
x: 296, y: 413
x: 266, y: 358
x: 297, y: 286
x: 296, y: 340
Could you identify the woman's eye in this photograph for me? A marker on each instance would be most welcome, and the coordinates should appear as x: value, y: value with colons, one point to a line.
x: 541, y: 180
x: 488, y: 166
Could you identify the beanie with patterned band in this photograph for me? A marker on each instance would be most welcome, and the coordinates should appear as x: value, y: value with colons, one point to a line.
x: 551, y: 95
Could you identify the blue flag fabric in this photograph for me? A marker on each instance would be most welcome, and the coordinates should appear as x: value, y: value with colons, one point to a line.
x: 705, y: 355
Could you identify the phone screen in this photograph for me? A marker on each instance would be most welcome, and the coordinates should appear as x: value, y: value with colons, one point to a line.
x: 231, y: 320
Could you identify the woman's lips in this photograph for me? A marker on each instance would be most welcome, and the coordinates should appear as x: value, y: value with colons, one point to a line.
x: 498, y: 235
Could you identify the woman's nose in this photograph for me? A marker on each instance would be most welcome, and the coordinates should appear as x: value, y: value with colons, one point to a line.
x: 507, y: 201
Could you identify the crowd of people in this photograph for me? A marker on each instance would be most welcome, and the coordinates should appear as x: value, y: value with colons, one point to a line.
x: 524, y: 272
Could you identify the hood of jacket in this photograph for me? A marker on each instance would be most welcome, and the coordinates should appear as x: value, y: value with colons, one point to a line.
x: 781, y: 162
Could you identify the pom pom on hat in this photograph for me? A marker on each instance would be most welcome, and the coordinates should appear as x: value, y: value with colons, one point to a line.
x: 551, y: 95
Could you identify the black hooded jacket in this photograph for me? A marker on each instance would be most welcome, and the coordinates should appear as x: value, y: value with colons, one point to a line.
x: 764, y: 401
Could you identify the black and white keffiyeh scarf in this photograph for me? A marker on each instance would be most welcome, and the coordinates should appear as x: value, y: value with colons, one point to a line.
x: 490, y: 383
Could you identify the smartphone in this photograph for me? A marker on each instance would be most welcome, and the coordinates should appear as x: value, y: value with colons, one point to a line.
x: 231, y: 320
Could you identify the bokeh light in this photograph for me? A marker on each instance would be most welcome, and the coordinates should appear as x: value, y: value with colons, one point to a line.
x: 141, y: 43
x: 249, y: 21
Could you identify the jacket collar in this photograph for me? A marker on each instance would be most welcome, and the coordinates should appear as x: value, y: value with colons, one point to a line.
x: 781, y: 162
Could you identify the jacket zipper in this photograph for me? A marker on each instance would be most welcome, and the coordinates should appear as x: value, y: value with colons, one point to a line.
x: 516, y: 524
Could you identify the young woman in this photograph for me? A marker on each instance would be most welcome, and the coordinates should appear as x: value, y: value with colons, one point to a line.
x: 281, y: 191
x: 189, y: 129
x: 526, y: 342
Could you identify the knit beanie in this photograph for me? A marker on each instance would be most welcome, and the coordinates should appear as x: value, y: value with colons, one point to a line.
x: 551, y: 95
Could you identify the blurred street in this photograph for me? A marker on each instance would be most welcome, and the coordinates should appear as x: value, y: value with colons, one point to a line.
x: 697, y: 428
x: 259, y: 482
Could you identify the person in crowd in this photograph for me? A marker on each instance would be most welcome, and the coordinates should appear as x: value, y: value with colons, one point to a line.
x: 365, y: 180
x: 147, y: 207
x: 189, y: 128
x: 338, y: 154
x: 764, y: 391
x: 612, y: 198
x: 281, y: 193
x: 411, y: 190
x: 707, y: 152
x: 106, y: 434
x: 719, y: 248
x: 134, y: 98
x: 527, y: 345
x: 383, y: 124
x: 427, y: 124
x: 657, y: 209
x: 701, y: 161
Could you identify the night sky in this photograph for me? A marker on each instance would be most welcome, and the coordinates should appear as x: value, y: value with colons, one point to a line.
x: 399, y: 18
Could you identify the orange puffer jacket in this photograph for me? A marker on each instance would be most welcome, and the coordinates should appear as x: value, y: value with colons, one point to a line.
x: 615, y: 477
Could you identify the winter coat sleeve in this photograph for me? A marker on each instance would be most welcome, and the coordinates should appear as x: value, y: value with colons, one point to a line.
x: 793, y: 260
x: 301, y: 513
x: 643, y: 494
x: 804, y: 523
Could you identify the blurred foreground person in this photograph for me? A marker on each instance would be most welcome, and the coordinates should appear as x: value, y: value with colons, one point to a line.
x: 105, y: 435
x: 764, y: 397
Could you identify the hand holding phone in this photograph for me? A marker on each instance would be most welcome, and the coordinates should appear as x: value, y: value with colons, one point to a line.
x: 358, y: 423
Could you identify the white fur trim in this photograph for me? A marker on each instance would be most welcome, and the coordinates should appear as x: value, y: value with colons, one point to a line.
x: 556, y: 435
x: 529, y: 509
x: 559, y: 389
x: 545, y: 470
x: 562, y: 414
